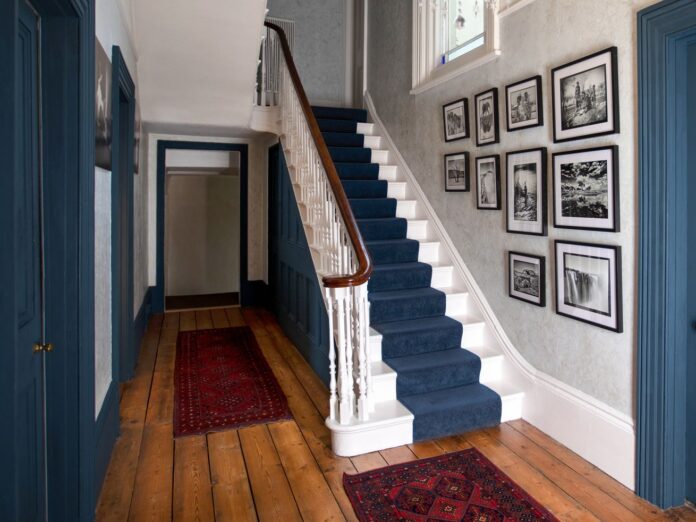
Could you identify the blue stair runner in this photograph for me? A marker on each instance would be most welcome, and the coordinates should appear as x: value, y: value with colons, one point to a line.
x: 437, y: 380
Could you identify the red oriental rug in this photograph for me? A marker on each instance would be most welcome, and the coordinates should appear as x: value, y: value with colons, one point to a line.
x: 222, y: 381
x: 457, y: 486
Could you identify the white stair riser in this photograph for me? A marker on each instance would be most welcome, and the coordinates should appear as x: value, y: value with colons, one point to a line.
x: 429, y: 252
x: 442, y: 276
x: 457, y: 304
x: 406, y: 209
x: 366, y: 128
x: 417, y: 229
x: 512, y: 407
x: 491, y: 368
x: 387, y: 172
x: 384, y: 387
x: 396, y: 190
x: 372, y: 142
x: 381, y: 157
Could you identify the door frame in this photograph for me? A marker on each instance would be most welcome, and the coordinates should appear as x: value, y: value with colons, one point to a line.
x: 124, y: 354
x: 246, y: 289
x: 665, y: 30
x: 72, y: 371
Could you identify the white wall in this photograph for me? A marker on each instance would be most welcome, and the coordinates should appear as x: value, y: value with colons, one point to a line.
x: 201, y: 234
x: 538, y: 36
x: 322, y: 32
x: 113, y: 27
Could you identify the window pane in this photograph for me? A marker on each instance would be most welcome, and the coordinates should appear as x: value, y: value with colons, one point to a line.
x: 465, y: 26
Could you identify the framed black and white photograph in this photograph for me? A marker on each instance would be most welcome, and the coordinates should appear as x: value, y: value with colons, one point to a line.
x: 588, y: 283
x: 457, y: 172
x: 137, y: 136
x: 456, y: 119
x: 586, y: 189
x: 488, y: 182
x: 524, y: 104
x: 527, y: 277
x: 526, y: 192
x: 487, y: 121
x: 585, y: 97
x: 102, y: 151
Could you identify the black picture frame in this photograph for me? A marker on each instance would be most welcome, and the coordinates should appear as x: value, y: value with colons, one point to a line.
x: 102, y: 107
x: 492, y: 93
x: 612, y: 151
x: 509, y: 89
x: 467, y: 181
x: 541, y: 302
x: 496, y: 159
x: 611, y: 320
x: 541, y: 180
x: 589, y: 130
x: 452, y: 104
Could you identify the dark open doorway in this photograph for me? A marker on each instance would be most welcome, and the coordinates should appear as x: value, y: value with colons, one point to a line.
x: 159, y: 291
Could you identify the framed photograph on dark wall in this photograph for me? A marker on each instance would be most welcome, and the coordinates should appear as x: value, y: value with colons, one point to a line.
x: 527, y: 277
x: 488, y: 182
x: 456, y: 119
x: 487, y: 122
x: 526, y: 192
x: 102, y: 108
x: 588, y: 283
x: 524, y: 105
x: 586, y: 189
x: 457, y: 172
x: 585, y: 97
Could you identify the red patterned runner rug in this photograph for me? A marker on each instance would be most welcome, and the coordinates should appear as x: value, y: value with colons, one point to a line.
x: 457, y: 486
x: 222, y: 381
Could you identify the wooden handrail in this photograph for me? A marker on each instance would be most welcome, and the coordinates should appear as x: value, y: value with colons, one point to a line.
x: 364, y: 262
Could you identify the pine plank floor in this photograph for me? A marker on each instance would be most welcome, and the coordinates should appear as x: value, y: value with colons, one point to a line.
x: 286, y: 470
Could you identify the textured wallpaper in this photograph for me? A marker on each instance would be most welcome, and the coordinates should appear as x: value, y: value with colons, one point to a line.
x: 534, y: 39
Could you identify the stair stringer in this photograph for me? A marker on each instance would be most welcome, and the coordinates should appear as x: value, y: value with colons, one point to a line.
x: 597, y: 432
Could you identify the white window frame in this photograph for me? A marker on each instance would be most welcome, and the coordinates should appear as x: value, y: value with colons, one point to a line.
x: 427, y: 71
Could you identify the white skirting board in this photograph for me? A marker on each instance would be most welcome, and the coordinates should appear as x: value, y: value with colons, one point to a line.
x: 593, y: 430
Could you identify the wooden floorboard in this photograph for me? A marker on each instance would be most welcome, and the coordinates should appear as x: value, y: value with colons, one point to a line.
x: 286, y: 470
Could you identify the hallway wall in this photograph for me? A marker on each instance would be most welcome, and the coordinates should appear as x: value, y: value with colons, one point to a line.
x: 535, y: 38
x: 113, y: 28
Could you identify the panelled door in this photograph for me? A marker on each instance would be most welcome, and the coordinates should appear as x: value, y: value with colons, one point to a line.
x: 691, y: 338
x: 29, y: 364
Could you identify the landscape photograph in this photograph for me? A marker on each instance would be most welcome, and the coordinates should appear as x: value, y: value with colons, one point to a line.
x: 525, y: 179
x: 585, y: 189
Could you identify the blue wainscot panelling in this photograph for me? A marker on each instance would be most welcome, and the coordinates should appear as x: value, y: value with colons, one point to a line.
x: 293, y: 291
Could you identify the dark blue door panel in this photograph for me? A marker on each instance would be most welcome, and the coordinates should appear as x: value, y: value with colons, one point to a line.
x: 29, y: 394
x: 295, y: 294
x: 691, y: 350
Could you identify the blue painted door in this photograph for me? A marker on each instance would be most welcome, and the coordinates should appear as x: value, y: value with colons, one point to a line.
x: 691, y: 353
x: 28, y: 283
x: 293, y: 286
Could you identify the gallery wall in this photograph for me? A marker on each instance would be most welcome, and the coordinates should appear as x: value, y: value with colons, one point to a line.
x: 540, y: 35
x: 320, y: 45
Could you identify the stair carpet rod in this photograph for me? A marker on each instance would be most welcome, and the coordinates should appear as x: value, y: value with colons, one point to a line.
x: 340, y: 256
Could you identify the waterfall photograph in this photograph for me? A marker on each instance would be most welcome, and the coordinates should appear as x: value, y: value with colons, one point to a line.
x: 587, y: 282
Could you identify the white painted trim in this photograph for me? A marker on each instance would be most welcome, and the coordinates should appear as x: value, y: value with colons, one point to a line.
x: 366, y: 33
x: 434, y: 80
x: 597, y: 432
x: 514, y: 7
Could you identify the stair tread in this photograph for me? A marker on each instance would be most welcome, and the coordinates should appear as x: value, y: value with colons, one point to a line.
x: 455, y: 398
x: 410, y: 293
x: 417, y: 325
x: 431, y: 360
x: 340, y: 113
x: 412, y: 265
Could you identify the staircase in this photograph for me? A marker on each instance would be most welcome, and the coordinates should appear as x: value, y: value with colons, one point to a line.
x: 412, y: 357
x: 413, y: 308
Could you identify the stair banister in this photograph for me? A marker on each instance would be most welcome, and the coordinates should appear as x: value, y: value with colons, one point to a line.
x: 342, y: 261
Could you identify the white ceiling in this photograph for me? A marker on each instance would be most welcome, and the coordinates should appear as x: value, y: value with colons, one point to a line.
x: 196, y: 60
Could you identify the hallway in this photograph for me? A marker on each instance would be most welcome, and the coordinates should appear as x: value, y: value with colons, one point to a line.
x: 286, y: 470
